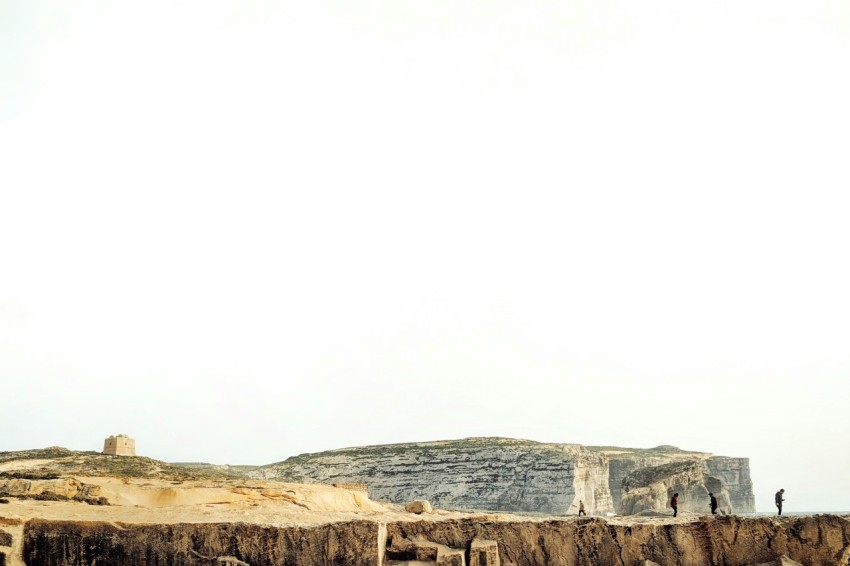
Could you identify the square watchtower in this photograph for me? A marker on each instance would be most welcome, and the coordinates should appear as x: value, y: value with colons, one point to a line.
x: 121, y: 445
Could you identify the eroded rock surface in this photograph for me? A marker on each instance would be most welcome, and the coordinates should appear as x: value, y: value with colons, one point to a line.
x: 819, y: 540
x: 501, y: 474
x: 734, y: 473
x: 650, y: 489
x: 479, y: 473
x: 67, y: 543
x: 720, y: 541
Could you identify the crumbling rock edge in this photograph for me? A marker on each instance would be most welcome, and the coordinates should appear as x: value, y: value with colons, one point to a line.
x: 818, y: 540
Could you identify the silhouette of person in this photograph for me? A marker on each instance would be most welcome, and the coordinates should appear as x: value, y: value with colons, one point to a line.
x: 713, y: 504
x: 780, y: 499
x: 581, y: 510
x: 674, y: 503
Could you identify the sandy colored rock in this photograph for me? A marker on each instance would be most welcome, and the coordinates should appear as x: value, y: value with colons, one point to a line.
x: 418, y: 506
x: 781, y: 561
x: 450, y: 557
x: 484, y: 553
x: 426, y: 553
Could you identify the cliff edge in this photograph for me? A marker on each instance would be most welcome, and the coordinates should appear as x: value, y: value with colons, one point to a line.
x: 507, y: 475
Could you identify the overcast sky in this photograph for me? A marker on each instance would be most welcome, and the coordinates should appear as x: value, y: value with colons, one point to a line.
x: 240, y: 231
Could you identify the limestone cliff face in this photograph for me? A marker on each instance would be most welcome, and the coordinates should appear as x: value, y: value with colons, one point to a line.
x: 711, y: 541
x: 621, y: 467
x: 650, y: 489
x: 481, y: 473
x: 734, y: 473
x: 500, y: 474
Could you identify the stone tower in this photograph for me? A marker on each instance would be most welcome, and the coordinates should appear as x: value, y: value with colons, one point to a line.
x: 121, y: 445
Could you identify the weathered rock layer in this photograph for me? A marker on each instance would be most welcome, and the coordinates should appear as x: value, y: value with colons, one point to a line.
x: 734, y: 473
x: 650, y: 489
x: 67, y: 543
x: 722, y: 541
x: 501, y: 474
x: 491, y: 474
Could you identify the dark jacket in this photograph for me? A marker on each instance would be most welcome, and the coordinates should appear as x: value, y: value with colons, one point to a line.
x: 674, y: 502
x: 779, y: 498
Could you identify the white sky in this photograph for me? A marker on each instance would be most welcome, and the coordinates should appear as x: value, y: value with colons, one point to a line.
x: 240, y: 231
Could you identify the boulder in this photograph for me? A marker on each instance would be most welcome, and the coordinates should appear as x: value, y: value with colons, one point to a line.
x: 418, y: 506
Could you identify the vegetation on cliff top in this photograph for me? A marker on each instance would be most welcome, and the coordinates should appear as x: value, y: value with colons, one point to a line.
x: 664, y: 449
x: 478, y: 443
x: 54, y: 462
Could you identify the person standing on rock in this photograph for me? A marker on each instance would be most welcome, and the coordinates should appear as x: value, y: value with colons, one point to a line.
x: 581, y: 510
x: 713, y: 504
x: 674, y: 503
x: 780, y: 499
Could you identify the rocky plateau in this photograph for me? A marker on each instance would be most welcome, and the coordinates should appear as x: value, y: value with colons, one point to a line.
x: 509, y: 475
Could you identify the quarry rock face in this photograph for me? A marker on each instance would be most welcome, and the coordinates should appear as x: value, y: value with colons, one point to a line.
x: 481, y: 473
x: 650, y: 489
x: 709, y: 541
x: 499, y: 474
x: 66, y: 543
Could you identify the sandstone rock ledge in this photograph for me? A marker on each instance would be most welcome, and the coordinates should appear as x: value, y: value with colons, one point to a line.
x: 817, y: 540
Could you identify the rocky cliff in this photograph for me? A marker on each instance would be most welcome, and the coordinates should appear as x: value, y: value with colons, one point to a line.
x: 734, y: 473
x: 650, y: 489
x: 624, y: 461
x: 501, y: 474
x: 480, y: 473
x: 721, y: 541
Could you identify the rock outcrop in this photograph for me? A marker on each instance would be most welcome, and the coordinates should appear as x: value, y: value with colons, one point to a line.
x: 734, y: 473
x: 500, y: 474
x: 480, y: 473
x: 650, y: 489
x: 59, y: 489
x: 710, y: 541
